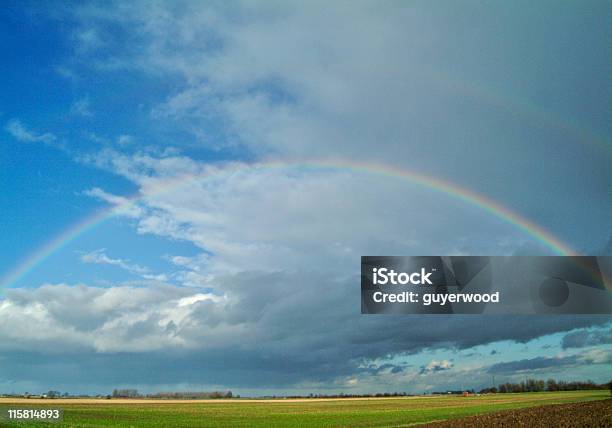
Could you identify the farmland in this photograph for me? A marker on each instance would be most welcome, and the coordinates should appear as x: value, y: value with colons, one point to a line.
x: 399, y: 411
x: 593, y: 414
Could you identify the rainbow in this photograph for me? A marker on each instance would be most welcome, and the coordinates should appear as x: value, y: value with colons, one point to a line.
x: 435, y: 184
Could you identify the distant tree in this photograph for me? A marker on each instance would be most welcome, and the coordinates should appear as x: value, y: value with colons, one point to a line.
x: 125, y: 393
x: 534, y: 385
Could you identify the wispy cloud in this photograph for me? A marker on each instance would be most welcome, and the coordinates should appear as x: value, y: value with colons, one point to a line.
x: 100, y: 257
x: 123, y: 206
x: 88, y: 39
x: 124, y: 140
x: 81, y: 107
x: 21, y: 133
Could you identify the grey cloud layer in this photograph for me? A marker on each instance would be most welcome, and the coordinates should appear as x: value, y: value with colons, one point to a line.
x: 558, y: 363
x: 582, y: 338
x: 262, y: 323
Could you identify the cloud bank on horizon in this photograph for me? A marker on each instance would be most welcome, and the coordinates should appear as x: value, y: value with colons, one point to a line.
x: 247, y: 278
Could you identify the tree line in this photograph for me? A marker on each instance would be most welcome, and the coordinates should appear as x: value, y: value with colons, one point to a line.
x: 550, y: 385
x: 197, y: 395
x: 529, y: 385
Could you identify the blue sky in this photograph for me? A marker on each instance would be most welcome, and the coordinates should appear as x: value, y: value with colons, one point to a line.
x: 102, y: 102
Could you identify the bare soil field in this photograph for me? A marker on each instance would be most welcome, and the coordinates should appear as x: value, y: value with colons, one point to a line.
x: 60, y: 401
x: 323, y: 413
x: 596, y: 414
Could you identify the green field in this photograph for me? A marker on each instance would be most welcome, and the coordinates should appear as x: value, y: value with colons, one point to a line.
x: 306, y: 413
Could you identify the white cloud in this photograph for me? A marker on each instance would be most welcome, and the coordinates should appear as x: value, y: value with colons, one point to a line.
x: 370, y: 83
x: 66, y: 72
x: 334, y: 80
x: 21, y: 133
x: 262, y: 217
x: 88, y: 39
x: 124, y: 140
x: 100, y: 319
x: 81, y: 107
x: 436, y: 366
x: 597, y: 356
x: 100, y: 257
x: 123, y: 206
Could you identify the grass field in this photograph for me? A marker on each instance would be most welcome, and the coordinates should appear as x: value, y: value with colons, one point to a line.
x: 292, y: 413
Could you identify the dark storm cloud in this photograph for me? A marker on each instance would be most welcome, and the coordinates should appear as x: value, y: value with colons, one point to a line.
x: 532, y: 364
x: 582, y: 338
x: 214, y: 343
x: 542, y: 363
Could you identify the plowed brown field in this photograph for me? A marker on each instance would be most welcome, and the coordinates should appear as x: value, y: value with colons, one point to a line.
x: 594, y: 414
